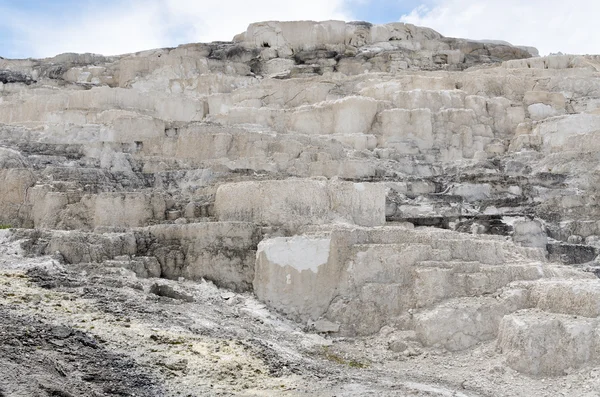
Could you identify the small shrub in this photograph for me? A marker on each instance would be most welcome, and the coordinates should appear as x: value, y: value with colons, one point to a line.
x: 4, y: 227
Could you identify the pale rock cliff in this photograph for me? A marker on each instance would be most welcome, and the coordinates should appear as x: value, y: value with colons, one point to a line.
x: 353, y: 176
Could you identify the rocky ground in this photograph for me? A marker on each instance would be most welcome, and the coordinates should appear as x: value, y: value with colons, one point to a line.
x: 85, y: 330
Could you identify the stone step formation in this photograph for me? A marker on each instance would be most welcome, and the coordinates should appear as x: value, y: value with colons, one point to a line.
x: 353, y: 176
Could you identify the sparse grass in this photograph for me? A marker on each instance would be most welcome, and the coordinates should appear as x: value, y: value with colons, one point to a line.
x: 4, y: 227
x: 331, y: 356
x: 336, y: 358
x: 356, y: 364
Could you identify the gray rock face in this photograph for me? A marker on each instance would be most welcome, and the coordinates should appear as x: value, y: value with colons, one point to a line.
x: 353, y: 176
x: 6, y: 77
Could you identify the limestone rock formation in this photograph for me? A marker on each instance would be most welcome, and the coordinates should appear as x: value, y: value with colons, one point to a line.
x: 355, y: 177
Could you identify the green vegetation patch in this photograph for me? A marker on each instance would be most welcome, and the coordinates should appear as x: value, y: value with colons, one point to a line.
x: 336, y: 358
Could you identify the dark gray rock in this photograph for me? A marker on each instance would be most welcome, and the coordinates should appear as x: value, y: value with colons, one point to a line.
x: 169, y: 291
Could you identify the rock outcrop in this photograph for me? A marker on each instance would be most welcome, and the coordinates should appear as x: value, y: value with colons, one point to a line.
x: 353, y: 176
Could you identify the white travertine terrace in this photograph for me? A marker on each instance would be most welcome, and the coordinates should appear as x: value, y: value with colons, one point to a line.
x: 359, y: 175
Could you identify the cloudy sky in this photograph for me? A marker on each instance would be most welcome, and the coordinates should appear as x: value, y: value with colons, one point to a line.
x: 40, y: 28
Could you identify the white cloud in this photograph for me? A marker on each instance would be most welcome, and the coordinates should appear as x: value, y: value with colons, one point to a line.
x: 221, y: 20
x: 549, y: 25
x: 105, y: 31
x: 134, y: 25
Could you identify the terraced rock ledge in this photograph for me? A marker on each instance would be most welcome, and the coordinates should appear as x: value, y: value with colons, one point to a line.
x: 314, y: 208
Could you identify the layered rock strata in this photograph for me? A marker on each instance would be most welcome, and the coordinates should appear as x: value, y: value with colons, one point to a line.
x: 352, y: 175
